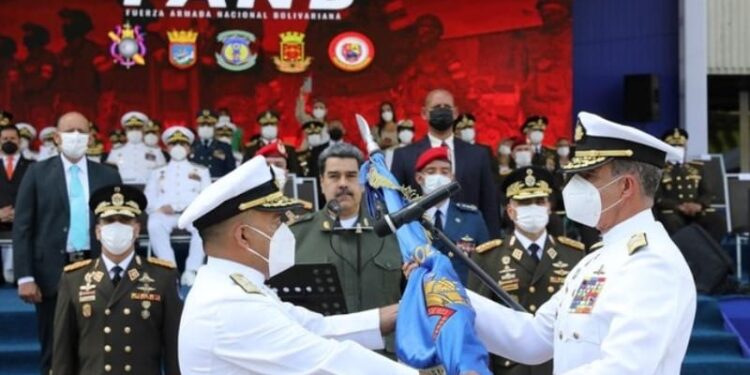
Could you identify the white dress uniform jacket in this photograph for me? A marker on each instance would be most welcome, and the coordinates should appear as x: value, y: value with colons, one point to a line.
x: 135, y: 161
x: 226, y: 330
x: 617, y: 314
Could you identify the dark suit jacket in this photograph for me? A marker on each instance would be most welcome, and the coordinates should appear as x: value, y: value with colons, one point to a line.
x: 40, y: 231
x: 9, y: 188
x: 472, y: 172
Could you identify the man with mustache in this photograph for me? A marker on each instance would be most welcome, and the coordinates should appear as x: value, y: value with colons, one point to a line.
x: 368, y: 266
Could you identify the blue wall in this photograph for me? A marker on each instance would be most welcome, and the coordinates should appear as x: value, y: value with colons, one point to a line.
x: 612, y: 38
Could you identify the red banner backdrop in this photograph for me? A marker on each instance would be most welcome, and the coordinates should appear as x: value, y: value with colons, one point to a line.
x: 503, y: 60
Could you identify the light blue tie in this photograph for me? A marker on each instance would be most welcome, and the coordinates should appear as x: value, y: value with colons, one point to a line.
x: 78, y: 237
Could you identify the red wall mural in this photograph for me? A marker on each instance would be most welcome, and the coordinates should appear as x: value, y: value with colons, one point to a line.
x: 503, y: 60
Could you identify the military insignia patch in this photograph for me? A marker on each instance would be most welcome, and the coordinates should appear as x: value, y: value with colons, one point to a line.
x: 552, y: 253
x: 517, y: 254
x: 86, y: 310
x: 236, y: 53
x: 292, y: 57
x: 351, y: 51
x: 587, y: 294
x: 128, y: 46
x: 133, y: 274
x: 580, y: 131
x: 182, y: 48
x: 506, y: 260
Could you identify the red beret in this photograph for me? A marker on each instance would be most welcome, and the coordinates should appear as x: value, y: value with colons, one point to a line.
x: 432, y: 154
x: 274, y: 149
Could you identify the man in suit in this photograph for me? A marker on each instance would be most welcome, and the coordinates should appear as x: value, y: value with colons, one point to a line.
x: 117, y: 313
x: 269, y: 133
x: 530, y: 264
x: 217, y: 156
x: 53, y: 226
x: 470, y: 163
x: 461, y: 222
x: 12, y: 170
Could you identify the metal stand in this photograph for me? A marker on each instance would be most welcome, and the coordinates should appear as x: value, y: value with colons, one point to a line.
x: 479, y: 272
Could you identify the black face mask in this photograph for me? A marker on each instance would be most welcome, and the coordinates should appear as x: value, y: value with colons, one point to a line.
x: 10, y: 148
x: 336, y: 134
x: 441, y: 118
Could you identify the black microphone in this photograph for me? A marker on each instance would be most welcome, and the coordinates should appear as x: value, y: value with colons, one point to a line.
x: 390, y: 223
x: 334, y: 209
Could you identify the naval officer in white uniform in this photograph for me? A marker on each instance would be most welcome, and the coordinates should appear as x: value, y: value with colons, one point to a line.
x: 628, y: 307
x: 135, y: 160
x: 170, y: 189
x: 233, y: 324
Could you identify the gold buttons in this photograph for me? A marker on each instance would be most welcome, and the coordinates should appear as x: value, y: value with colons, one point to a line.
x: 128, y: 349
x: 532, y: 289
x: 107, y: 311
x: 507, y: 363
x: 107, y: 368
x: 576, y: 335
x: 107, y: 330
x: 532, y: 308
x: 127, y: 330
x: 126, y: 311
x: 107, y: 348
x: 127, y: 368
x: 551, y: 289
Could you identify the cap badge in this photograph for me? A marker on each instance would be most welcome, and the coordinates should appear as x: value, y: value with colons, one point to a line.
x: 580, y: 131
x: 118, y: 199
x: 530, y: 179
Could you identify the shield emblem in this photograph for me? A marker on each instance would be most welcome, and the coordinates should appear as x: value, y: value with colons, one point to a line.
x: 182, y: 55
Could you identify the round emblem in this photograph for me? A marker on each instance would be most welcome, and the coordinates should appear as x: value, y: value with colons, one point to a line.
x: 530, y: 179
x: 351, y: 51
x: 506, y: 260
x: 236, y: 53
x: 118, y: 199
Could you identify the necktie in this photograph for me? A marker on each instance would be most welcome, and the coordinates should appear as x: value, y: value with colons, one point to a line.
x: 79, y: 214
x: 9, y: 166
x: 534, y: 249
x: 438, y: 219
x: 116, y: 277
x: 205, y: 143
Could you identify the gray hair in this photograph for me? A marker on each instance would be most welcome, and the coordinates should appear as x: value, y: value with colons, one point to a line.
x: 649, y: 175
x: 339, y: 150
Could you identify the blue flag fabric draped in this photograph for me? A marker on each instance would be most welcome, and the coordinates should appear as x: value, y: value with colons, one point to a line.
x: 435, y: 324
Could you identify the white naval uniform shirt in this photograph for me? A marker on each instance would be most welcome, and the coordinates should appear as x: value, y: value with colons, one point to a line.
x: 135, y: 161
x: 226, y: 331
x: 176, y: 184
x: 639, y: 322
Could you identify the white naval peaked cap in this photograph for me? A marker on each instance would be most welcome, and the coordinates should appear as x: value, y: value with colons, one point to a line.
x: 598, y: 140
x: 27, y: 128
x: 47, y: 132
x: 134, y: 118
x: 250, y: 186
x: 226, y: 122
x: 177, y: 133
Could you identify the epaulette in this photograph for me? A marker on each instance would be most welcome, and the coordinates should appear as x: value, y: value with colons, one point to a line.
x: 571, y: 242
x: 251, y: 143
x: 596, y: 246
x: 467, y: 207
x: 161, y: 262
x: 244, y: 283
x: 303, y: 218
x: 491, y: 244
x: 637, y: 242
x: 77, y: 265
x: 305, y: 204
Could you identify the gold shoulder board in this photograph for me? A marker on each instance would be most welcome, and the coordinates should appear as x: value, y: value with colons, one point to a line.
x: 596, y: 246
x: 637, y: 242
x: 161, y: 262
x: 571, y: 242
x: 488, y: 245
x: 77, y: 265
x: 244, y: 283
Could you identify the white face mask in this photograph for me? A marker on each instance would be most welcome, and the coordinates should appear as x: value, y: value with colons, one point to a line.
x: 178, y: 153
x: 433, y: 182
x: 532, y: 218
x: 504, y: 150
x: 319, y: 113
x: 24, y: 144
x: 226, y: 140
x: 536, y: 136
x: 405, y: 136
x: 116, y: 237
x: 681, y: 151
x: 281, y: 250
x: 151, y: 139
x: 269, y: 132
x: 74, y: 144
x: 522, y: 158
x: 387, y: 116
x: 563, y: 151
x: 468, y: 134
x: 134, y: 136
x: 205, y: 132
x: 583, y: 201
x: 315, y: 140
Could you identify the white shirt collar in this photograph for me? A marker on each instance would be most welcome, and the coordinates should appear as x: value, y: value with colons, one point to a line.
x: 82, y: 166
x: 16, y: 156
x: 229, y: 267
x: 348, y: 223
x: 436, y: 142
x: 443, y: 207
x: 526, y: 242
x: 109, y: 264
x: 635, y: 224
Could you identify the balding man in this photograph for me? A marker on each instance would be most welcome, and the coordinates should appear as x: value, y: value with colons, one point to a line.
x: 53, y: 226
x: 628, y: 307
x: 471, y: 163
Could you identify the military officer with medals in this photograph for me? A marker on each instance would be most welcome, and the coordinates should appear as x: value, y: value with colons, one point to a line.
x: 207, y: 151
x: 269, y: 133
x: 118, y: 313
x: 233, y: 324
x: 462, y: 223
x: 529, y: 264
x: 169, y: 190
x: 626, y: 308
x: 135, y: 160
x: 684, y: 196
